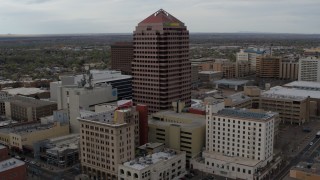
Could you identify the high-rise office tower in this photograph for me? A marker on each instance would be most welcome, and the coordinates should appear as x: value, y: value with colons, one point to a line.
x: 121, y: 56
x: 161, y: 68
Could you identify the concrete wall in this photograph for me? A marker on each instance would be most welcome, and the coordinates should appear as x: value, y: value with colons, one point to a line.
x: 7, y: 106
x: 54, y: 91
x: 74, y: 99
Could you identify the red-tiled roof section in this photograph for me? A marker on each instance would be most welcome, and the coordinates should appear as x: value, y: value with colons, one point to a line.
x: 160, y: 16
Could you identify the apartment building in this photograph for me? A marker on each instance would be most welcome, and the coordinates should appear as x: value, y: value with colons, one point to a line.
x: 309, y: 69
x: 238, y: 142
x: 167, y: 164
x: 122, y: 56
x: 161, y: 68
x: 104, y: 144
x: 268, y: 67
x: 178, y: 130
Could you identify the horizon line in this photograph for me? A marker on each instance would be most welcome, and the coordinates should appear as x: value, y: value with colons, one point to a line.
x: 127, y: 33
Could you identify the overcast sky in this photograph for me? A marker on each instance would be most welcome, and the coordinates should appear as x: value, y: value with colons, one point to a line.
x: 121, y: 16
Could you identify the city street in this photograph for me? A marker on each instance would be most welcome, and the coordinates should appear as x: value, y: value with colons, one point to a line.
x: 302, y: 151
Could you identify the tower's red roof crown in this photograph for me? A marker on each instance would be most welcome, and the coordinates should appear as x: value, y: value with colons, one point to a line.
x: 161, y: 16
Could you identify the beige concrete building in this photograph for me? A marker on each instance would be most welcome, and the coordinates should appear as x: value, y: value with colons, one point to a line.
x: 24, y: 136
x: 289, y: 69
x: 104, y: 144
x: 130, y: 116
x: 305, y: 171
x: 25, y: 109
x: 268, y: 67
x: 180, y: 131
x: 254, y: 93
x: 291, y: 106
x: 163, y: 165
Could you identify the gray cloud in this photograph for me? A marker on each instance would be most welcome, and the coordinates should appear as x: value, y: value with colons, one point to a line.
x: 108, y: 16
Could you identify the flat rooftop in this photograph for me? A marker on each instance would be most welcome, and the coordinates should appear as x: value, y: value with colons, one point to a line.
x: 10, y: 164
x: 210, y: 72
x: 238, y: 98
x: 279, y: 92
x: 24, y: 91
x: 26, y: 128
x: 2, y: 146
x: 7, y: 122
x: 28, y: 101
x: 61, y: 144
x: 231, y: 159
x: 245, y: 114
x: 151, y: 145
x: 100, y: 76
x: 144, y: 162
x: 188, y: 120
x: 304, y: 85
x: 233, y: 82
x: 313, y: 168
x: 104, y: 123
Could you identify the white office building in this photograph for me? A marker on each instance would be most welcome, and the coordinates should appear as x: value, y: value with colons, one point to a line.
x: 98, y: 78
x: 309, y: 69
x: 75, y: 99
x: 239, y: 142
